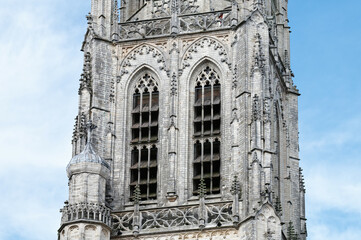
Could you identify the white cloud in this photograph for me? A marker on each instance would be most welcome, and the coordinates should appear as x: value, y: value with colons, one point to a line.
x: 327, y: 232
x: 331, y: 161
x: 40, y: 63
x: 334, y: 188
x: 345, y: 132
x: 33, y: 198
x: 332, y: 167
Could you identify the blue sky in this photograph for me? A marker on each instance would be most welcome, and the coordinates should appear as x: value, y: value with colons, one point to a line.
x: 40, y: 64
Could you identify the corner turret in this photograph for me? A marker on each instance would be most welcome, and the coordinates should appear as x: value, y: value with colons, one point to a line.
x: 86, y: 212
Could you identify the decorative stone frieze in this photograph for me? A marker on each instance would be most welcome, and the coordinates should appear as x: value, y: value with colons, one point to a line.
x: 172, y: 219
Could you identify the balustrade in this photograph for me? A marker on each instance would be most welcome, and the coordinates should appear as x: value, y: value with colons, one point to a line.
x: 186, y: 23
x: 85, y: 211
x: 173, y: 218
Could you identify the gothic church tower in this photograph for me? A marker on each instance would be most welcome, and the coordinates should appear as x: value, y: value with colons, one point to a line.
x: 196, y: 117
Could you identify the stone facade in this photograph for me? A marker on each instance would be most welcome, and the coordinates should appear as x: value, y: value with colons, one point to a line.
x: 260, y: 194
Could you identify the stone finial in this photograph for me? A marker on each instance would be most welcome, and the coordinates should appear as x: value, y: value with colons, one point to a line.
x: 86, y: 76
x: 256, y: 108
x: 90, y: 127
x: 136, y: 195
x: 202, y: 188
x: 236, y: 188
x: 259, y: 4
x: 291, y: 233
x: 302, y: 180
x: 258, y: 56
x: 255, y: 157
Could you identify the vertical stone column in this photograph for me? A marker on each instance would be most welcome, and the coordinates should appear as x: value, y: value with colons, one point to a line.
x: 173, y: 130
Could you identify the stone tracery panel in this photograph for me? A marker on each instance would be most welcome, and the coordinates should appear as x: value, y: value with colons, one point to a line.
x: 211, y: 45
x: 216, y: 214
x: 205, y: 21
x: 133, y: 59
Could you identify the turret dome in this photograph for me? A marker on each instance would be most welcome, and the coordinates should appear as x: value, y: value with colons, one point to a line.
x: 88, y: 155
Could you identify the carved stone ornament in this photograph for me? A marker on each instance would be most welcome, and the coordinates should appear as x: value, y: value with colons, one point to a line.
x: 86, y: 76
x: 235, y: 78
x: 174, y: 84
x: 79, y: 127
x: 216, y: 214
x: 161, y: 8
x: 256, y: 108
x: 258, y: 56
x: 205, y: 42
x: 142, y: 50
x: 266, y: 110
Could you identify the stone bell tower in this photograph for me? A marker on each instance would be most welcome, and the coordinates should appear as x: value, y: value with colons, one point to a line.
x: 197, y: 124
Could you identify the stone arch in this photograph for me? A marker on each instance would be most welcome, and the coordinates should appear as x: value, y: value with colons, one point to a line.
x: 206, y: 46
x: 142, y: 68
x: 268, y: 222
x: 89, y: 232
x: 277, y: 136
x: 104, y: 235
x: 189, y: 84
x: 200, y: 51
x: 280, y: 130
x: 197, y: 67
x: 74, y: 232
x: 258, y: 19
x: 123, y: 116
x: 143, y: 53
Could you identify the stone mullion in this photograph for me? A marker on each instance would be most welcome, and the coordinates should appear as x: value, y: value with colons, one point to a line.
x: 149, y: 138
x: 211, y: 142
x: 211, y: 177
x: 139, y: 161
x: 140, y: 116
x: 212, y: 109
x: 202, y: 156
x: 148, y: 171
x: 202, y: 125
x: 202, y: 133
x: 150, y: 114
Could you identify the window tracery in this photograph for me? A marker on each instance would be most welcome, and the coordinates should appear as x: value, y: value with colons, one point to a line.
x: 207, y: 131
x: 144, y: 137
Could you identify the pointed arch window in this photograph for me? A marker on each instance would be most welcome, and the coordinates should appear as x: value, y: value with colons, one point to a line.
x: 207, y: 131
x: 144, y: 138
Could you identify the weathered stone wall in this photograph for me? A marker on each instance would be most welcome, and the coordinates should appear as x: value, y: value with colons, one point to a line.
x: 259, y: 128
x: 86, y: 231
